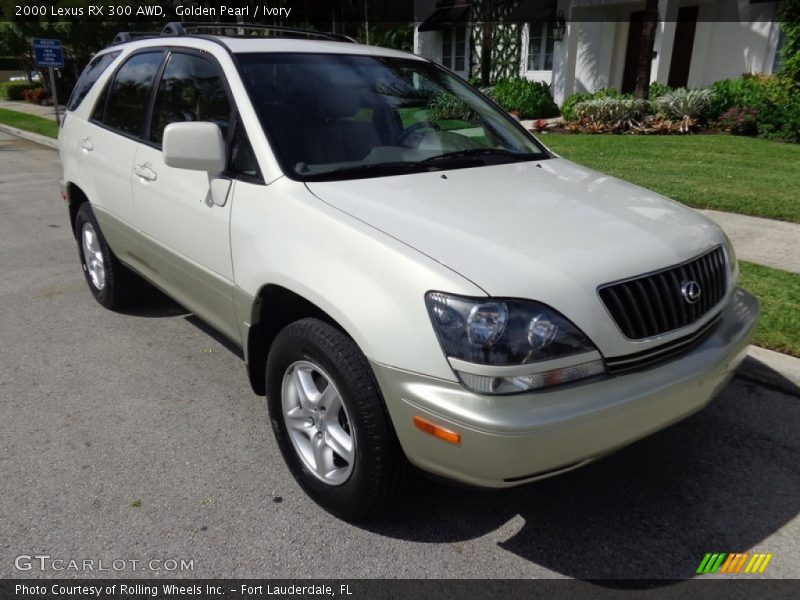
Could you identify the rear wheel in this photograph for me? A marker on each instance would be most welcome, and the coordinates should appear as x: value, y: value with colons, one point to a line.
x: 330, y: 422
x: 112, y: 284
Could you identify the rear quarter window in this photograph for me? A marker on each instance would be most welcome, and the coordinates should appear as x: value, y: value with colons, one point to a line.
x: 89, y: 77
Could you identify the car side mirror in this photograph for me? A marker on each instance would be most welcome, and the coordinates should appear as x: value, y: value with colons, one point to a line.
x: 198, y: 146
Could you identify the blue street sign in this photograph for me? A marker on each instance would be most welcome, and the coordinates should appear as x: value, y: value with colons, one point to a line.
x: 47, y: 53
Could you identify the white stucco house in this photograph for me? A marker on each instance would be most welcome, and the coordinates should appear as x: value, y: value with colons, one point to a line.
x: 585, y: 45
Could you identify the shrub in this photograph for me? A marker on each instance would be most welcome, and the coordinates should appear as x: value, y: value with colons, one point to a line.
x: 615, y: 114
x: 739, y: 121
x: 568, y: 108
x: 35, y: 95
x: 447, y: 106
x: 658, y: 89
x: 790, y: 52
x: 748, y: 90
x: 531, y: 99
x: 15, y: 90
x: 783, y: 123
x: 684, y: 104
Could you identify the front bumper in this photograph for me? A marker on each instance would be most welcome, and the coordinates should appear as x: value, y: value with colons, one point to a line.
x: 509, y: 440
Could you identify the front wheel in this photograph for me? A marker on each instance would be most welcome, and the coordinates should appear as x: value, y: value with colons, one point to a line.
x: 330, y: 422
x: 112, y: 284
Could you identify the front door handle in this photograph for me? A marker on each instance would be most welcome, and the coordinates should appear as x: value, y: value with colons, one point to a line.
x: 87, y: 144
x: 145, y: 172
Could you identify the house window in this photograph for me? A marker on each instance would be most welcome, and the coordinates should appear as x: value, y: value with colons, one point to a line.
x: 540, y: 47
x: 454, y: 48
x: 776, y: 64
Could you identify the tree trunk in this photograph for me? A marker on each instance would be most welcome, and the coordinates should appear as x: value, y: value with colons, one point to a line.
x: 486, y: 43
x: 646, y: 53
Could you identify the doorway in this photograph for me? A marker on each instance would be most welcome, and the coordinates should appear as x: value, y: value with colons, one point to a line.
x: 682, y: 48
x: 634, y: 49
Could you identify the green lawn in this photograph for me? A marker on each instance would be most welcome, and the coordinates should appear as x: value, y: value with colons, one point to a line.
x: 29, y: 122
x: 779, y: 294
x: 723, y: 172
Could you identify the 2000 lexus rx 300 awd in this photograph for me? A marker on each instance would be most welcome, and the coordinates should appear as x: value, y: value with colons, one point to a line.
x: 414, y: 279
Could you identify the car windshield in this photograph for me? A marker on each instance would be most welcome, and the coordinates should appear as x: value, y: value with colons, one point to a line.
x: 336, y: 116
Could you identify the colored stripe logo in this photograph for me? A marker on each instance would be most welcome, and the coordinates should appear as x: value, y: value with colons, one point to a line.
x: 733, y: 563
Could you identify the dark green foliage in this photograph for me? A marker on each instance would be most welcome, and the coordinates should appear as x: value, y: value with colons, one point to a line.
x: 531, y: 99
x: 790, y: 53
x: 15, y: 90
x: 775, y: 99
x: 746, y: 91
x: 658, y: 89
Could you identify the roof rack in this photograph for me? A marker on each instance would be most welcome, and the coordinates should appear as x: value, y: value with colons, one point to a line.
x: 129, y: 36
x: 236, y: 30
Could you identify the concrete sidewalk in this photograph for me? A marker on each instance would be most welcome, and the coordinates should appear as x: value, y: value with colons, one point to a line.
x: 763, y: 241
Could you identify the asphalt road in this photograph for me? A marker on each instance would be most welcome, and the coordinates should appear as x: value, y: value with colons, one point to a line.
x: 136, y: 436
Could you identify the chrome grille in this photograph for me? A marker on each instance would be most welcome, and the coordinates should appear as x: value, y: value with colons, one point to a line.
x: 656, y: 303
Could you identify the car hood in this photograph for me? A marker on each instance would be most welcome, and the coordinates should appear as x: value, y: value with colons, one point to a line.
x: 552, y: 230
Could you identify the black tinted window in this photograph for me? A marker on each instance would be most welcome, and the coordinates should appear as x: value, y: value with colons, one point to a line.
x: 243, y: 160
x: 191, y: 89
x: 89, y: 76
x: 127, y: 96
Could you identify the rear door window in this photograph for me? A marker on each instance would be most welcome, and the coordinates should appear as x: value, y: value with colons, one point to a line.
x: 126, y: 100
x: 191, y: 89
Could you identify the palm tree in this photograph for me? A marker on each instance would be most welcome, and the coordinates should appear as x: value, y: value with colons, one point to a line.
x: 646, y: 53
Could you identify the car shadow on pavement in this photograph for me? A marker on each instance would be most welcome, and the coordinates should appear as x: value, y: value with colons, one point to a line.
x: 152, y: 303
x: 721, y: 481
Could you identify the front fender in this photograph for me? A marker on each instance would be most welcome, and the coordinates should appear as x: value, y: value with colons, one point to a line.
x: 371, y: 284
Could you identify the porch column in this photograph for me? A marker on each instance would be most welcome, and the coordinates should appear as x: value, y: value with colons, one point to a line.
x: 665, y: 40
x: 564, y: 55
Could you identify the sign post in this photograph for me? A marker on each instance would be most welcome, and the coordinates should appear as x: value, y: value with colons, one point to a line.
x: 47, y: 53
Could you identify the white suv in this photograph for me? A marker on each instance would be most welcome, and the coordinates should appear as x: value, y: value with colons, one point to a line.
x: 413, y: 278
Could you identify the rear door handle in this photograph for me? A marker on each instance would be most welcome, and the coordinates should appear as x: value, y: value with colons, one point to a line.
x: 87, y: 144
x: 145, y: 172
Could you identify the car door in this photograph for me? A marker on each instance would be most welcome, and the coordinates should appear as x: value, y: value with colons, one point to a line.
x: 185, y: 234
x: 108, y: 146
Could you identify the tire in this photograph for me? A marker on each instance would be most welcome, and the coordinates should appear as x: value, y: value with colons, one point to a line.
x: 305, y: 360
x: 112, y: 284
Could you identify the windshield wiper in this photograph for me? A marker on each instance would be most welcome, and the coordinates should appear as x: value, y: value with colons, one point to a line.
x: 474, y: 153
x: 371, y: 170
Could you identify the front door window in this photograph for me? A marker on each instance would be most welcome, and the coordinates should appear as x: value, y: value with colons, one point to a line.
x: 540, y: 47
x: 454, y: 49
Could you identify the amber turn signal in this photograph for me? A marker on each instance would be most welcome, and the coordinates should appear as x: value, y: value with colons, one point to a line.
x: 451, y: 437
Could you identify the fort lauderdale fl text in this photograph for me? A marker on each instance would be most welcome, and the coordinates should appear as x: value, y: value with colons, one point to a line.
x: 169, y: 590
x: 261, y: 10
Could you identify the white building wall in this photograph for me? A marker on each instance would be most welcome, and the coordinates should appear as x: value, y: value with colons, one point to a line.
x: 732, y: 37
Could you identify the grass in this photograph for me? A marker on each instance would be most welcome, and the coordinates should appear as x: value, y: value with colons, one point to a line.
x: 723, y: 172
x: 779, y: 294
x: 29, y: 122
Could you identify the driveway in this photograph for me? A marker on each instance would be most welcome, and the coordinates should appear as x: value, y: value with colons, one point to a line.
x: 135, y: 436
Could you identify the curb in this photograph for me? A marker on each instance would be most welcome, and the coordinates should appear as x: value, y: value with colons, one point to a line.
x: 31, y: 137
x: 771, y: 369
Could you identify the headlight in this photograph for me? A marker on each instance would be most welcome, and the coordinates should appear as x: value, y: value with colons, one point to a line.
x: 506, y: 346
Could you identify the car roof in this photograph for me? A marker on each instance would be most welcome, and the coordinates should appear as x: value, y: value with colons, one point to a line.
x: 252, y: 45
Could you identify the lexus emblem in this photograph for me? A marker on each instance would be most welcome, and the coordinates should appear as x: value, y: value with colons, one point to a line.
x: 691, y: 291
